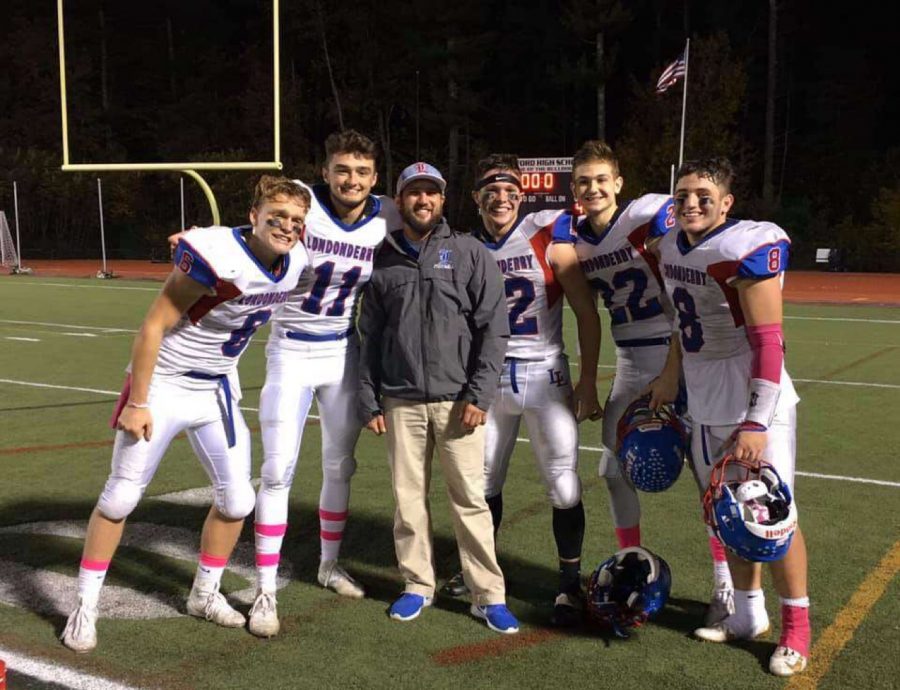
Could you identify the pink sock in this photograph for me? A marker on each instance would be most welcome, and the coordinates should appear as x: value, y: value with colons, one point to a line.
x: 268, y: 554
x: 628, y: 536
x: 795, y: 632
x: 334, y: 502
x: 716, y: 549
x: 331, y: 533
x: 90, y: 579
x: 209, y: 572
x: 721, y: 573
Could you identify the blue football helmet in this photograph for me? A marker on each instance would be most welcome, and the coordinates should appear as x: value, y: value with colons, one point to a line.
x: 651, y: 445
x: 751, y: 509
x: 628, y: 588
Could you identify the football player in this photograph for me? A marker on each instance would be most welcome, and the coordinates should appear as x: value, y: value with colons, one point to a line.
x: 313, y: 352
x: 610, y: 243
x: 183, y: 377
x: 535, y: 384
x: 724, y: 277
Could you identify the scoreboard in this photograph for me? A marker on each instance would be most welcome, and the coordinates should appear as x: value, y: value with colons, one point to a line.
x: 545, y: 184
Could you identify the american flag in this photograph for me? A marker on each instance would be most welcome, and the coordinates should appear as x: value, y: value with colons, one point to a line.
x: 671, y: 75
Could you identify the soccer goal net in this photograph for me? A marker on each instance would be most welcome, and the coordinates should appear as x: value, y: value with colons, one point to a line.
x: 8, y: 255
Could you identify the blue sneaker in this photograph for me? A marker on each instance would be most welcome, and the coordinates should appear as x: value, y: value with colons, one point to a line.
x: 409, y: 606
x: 498, y: 618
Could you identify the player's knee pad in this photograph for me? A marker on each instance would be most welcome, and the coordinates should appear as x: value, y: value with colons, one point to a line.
x: 235, y: 501
x: 339, y: 469
x: 119, y: 498
x: 565, y: 492
x: 276, y: 475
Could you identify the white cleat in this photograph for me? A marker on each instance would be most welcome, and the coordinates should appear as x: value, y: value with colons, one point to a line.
x: 786, y: 662
x: 80, y: 633
x: 212, y: 606
x: 334, y: 577
x: 264, y: 615
x: 726, y: 631
x: 721, y: 605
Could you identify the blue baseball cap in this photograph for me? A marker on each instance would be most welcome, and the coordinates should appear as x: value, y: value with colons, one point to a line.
x: 421, y: 171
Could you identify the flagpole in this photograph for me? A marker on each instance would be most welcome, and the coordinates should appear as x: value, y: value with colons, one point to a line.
x: 687, y: 47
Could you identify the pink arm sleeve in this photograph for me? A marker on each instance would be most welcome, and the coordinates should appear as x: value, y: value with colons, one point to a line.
x: 767, y: 342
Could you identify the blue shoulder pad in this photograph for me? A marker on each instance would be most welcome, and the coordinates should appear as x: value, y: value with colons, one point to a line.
x: 564, y: 228
x: 663, y: 220
x: 189, y: 260
x: 765, y: 261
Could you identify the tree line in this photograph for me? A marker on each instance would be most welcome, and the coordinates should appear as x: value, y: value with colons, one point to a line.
x: 802, y: 101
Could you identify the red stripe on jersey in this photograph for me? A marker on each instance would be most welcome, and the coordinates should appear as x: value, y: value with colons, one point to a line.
x: 638, y: 240
x: 539, y: 243
x: 721, y: 273
x: 224, y: 292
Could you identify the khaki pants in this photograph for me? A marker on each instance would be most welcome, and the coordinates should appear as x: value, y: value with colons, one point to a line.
x: 414, y: 430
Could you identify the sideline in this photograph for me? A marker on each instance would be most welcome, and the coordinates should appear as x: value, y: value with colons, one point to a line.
x: 836, y: 636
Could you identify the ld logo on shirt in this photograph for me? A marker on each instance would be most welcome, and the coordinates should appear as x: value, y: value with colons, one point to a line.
x: 445, y: 257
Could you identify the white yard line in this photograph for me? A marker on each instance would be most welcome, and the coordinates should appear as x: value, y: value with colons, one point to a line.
x: 822, y: 318
x: 861, y: 384
x: 837, y: 318
x: 102, y: 329
x: 861, y: 480
x: 26, y: 340
x: 837, y: 477
x: 57, y: 674
x: 33, y: 384
x: 95, y: 287
x: 815, y: 475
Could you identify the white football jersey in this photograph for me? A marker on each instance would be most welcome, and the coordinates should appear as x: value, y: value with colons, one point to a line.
x: 533, y: 296
x: 699, y: 279
x: 623, y: 273
x: 321, y: 314
x: 214, y: 332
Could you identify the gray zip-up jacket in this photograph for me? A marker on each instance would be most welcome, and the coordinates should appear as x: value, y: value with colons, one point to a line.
x: 433, y: 324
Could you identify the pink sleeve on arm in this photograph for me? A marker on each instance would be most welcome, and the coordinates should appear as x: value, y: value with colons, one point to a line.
x: 767, y: 342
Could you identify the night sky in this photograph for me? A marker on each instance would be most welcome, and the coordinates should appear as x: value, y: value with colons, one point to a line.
x: 189, y: 80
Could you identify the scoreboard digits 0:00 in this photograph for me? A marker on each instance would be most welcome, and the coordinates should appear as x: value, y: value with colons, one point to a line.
x: 545, y: 183
x: 539, y: 182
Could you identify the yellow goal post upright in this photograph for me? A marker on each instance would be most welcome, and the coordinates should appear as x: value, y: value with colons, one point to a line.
x: 188, y: 168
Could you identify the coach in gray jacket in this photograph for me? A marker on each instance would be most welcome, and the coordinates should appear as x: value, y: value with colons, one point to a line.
x: 434, y: 328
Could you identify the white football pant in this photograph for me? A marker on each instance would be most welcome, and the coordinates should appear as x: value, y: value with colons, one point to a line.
x: 636, y: 367
x: 709, y: 444
x: 198, y: 408
x: 541, y: 393
x: 292, y: 380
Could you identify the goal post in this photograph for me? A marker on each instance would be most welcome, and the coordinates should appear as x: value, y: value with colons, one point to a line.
x: 187, y: 167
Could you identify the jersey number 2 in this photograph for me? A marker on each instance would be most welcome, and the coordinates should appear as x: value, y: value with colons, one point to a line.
x: 633, y: 309
x: 523, y: 290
